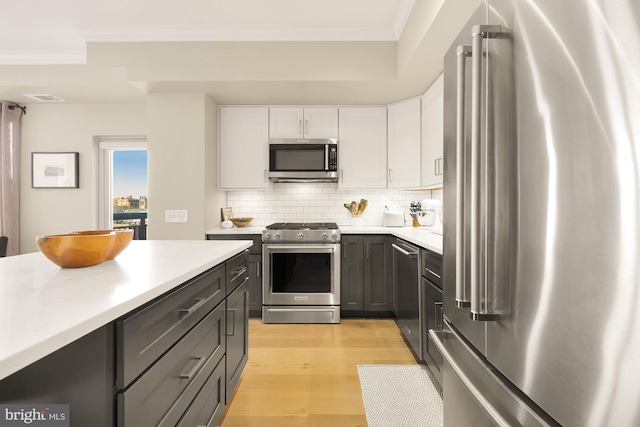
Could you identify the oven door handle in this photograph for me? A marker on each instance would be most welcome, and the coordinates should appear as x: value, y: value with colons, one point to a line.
x: 327, y: 248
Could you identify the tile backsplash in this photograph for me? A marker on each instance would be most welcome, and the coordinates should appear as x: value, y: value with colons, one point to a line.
x: 319, y: 202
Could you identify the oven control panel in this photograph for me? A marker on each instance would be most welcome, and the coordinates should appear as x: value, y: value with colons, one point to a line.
x: 317, y: 236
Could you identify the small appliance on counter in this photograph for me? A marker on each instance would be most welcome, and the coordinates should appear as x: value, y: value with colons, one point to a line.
x: 430, y: 215
x: 393, y: 219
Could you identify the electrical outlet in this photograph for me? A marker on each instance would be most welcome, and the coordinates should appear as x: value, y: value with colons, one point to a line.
x: 174, y: 215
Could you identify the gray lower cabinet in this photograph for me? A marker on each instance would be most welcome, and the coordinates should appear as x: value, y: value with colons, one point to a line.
x: 161, y: 396
x: 366, y: 273
x: 237, y: 336
x: 144, y: 336
x: 190, y: 375
x: 431, y: 266
x: 255, y: 268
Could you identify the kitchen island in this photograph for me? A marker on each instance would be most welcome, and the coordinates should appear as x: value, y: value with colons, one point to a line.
x: 45, y: 309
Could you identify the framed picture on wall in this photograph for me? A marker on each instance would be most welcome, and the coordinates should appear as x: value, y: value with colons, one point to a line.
x: 54, y: 170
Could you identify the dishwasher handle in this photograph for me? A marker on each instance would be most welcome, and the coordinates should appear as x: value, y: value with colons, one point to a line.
x: 403, y: 251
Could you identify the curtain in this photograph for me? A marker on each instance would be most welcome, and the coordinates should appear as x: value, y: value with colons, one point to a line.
x: 10, y: 175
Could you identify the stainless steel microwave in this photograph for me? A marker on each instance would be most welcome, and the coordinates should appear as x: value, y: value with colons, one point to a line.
x: 293, y: 160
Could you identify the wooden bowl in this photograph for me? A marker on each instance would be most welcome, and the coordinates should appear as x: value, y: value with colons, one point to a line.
x: 123, y: 238
x: 241, y: 222
x: 76, y: 250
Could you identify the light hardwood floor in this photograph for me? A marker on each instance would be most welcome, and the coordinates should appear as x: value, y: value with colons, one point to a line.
x: 307, y: 376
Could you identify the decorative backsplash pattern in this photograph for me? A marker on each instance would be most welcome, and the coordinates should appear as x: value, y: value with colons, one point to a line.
x: 319, y: 202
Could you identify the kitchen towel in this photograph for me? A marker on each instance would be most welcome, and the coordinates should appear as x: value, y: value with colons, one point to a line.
x: 400, y: 395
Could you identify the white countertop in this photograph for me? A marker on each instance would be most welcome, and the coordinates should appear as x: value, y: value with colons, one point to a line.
x: 44, y: 307
x: 417, y: 235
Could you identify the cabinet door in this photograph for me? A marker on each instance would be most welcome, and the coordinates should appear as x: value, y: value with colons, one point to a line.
x: 378, y: 277
x: 244, y: 147
x: 362, y: 153
x: 286, y: 122
x: 433, y: 320
x: 237, y: 336
x: 432, y: 134
x: 404, y: 144
x: 351, y: 269
x: 321, y: 122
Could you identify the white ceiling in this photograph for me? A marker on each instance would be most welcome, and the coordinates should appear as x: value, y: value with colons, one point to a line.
x: 238, y: 51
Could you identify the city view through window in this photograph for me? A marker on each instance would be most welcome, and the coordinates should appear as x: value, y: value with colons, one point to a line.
x: 130, y: 191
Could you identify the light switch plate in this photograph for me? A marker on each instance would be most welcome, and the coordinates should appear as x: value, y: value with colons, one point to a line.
x: 176, y: 215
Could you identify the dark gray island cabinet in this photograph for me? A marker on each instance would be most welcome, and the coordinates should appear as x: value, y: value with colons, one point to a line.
x: 173, y: 361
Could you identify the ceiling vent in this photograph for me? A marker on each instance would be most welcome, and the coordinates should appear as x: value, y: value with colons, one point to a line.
x: 43, y: 97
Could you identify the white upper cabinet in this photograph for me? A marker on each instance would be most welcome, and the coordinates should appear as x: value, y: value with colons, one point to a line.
x: 244, y: 147
x: 404, y: 144
x: 308, y: 122
x: 432, y: 134
x: 362, y: 147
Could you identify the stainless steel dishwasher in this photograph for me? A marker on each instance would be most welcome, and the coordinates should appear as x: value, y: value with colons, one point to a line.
x: 407, y: 304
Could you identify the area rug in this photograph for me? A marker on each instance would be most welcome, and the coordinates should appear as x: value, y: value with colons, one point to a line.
x: 400, y: 395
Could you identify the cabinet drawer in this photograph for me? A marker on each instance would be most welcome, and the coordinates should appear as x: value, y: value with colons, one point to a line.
x: 165, y: 391
x: 432, y: 267
x: 145, y: 336
x: 208, y: 405
x: 237, y: 271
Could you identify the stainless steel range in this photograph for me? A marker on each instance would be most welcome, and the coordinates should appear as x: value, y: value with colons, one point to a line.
x: 301, y: 264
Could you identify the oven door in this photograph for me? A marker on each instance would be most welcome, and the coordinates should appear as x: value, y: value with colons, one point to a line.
x: 301, y: 274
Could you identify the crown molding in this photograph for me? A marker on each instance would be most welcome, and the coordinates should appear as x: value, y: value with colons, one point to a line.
x: 194, y: 33
x: 402, y: 15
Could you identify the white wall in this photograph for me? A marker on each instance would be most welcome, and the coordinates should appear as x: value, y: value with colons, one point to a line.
x: 181, y: 147
x: 319, y: 202
x: 60, y: 127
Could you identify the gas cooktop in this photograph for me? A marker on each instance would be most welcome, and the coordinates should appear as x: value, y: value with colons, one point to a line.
x: 287, y: 232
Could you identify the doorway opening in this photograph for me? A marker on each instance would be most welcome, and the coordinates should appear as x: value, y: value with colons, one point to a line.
x: 123, y: 184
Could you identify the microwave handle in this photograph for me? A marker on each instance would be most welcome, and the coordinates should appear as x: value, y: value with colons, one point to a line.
x: 326, y: 157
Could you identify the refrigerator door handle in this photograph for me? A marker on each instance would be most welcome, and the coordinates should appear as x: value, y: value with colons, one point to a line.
x: 498, y: 400
x: 463, y: 290
x: 489, y: 409
x: 482, y: 307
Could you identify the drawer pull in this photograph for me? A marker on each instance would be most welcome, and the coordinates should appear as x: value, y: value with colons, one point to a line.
x: 238, y: 272
x: 438, y: 314
x: 195, y: 369
x: 232, y: 312
x: 433, y: 272
x: 199, y: 302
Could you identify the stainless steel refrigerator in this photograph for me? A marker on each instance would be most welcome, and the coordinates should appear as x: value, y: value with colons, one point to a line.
x: 541, y: 197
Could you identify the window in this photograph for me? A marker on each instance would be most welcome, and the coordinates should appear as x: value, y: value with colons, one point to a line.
x: 123, y: 184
